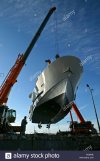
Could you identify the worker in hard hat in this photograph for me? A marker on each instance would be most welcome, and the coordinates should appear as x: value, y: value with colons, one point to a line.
x: 48, y: 61
x: 23, y: 126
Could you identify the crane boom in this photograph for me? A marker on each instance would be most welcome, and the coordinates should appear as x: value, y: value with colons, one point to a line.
x: 38, y: 33
x: 11, y: 78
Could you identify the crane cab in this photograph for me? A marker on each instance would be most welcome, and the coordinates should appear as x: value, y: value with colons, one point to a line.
x: 6, y: 114
x: 11, y: 115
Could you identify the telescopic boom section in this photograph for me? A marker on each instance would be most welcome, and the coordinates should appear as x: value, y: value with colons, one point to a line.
x: 38, y: 33
x: 80, y: 117
x: 11, y: 78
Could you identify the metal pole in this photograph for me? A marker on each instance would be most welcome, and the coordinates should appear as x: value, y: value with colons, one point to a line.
x: 94, y: 107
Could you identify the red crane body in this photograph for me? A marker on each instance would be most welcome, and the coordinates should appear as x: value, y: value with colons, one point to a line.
x: 79, y: 115
x: 6, y: 114
x: 83, y: 127
x: 11, y: 79
x: 15, y: 70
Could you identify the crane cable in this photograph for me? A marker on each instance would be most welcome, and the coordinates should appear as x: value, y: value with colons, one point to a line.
x: 55, y: 29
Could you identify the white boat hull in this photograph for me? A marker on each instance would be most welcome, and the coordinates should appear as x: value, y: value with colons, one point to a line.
x: 57, y: 86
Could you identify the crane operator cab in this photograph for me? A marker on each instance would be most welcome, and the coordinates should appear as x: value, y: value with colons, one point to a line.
x: 7, y: 115
x: 11, y: 115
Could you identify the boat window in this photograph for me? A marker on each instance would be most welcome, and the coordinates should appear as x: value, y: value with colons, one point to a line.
x: 36, y: 88
x: 11, y: 113
x: 14, y: 113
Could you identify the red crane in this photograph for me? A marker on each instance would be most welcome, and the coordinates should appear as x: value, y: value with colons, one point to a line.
x: 6, y: 115
x: 81, y: 127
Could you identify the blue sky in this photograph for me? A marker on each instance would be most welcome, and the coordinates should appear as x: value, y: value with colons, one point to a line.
x: 74, y: 29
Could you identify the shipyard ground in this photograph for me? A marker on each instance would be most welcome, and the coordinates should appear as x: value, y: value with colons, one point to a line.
x: 61, y: 141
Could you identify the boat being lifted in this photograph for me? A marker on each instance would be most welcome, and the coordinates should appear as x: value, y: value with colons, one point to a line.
x: 55, y: 89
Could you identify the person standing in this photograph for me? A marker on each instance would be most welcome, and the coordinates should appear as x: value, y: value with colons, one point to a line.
x: 23, y: 126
